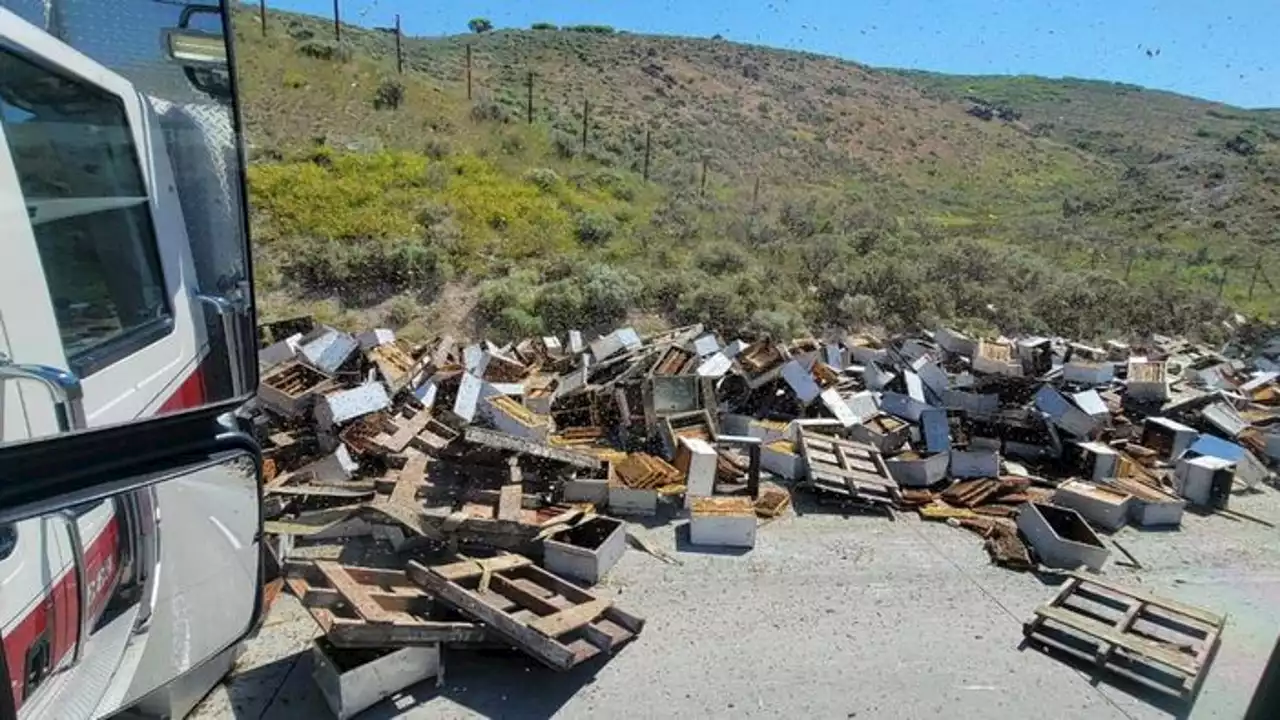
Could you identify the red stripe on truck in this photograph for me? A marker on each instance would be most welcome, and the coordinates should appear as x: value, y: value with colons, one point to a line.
x: 60, y: 603
x: 189, y: 394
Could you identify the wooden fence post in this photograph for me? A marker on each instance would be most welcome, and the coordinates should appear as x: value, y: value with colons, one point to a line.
x: 337, y: 22
x: 702, y: 186
x: 468, y: 71
x: 586, y: 116
x: 262, y: 15
x: 647, y: 139
x: 399, y: 52
x: 529, y: 99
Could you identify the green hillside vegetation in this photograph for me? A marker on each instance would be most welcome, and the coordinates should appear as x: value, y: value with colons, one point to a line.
x: 883, y: 198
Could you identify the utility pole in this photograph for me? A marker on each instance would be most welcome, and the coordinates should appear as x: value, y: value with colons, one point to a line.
x: 468, y: 71
x: 399, y: 52
x: 337, y: 22
x: 262, y: 15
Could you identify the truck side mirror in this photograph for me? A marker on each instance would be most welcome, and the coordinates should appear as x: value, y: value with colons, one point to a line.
x: 157, y: 576
x: 199, y: 45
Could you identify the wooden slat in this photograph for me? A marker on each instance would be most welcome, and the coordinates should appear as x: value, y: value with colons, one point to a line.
x: 522, y: 596
x: 359, y: 600
x: 473, y: 568
x: 354, y: 634
x: 1140, y: 646
x: 1172, y: 605
x: 406, y: 431
x: 569, y: 620
x: 545, y: 649
x: 555, y: 584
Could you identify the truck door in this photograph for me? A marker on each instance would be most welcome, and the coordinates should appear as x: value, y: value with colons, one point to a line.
x: 96, y: 273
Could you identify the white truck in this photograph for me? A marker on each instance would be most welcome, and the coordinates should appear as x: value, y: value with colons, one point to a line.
x: 123, y: 291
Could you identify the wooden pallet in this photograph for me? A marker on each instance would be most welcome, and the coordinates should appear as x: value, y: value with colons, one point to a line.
x: 1160, y: 644
x: 553, y: 620
x: 851, y: 469
x: 359, y: 607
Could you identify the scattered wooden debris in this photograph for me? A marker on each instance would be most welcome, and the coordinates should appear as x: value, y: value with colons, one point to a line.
x: 361, y: 607
x: 555, y: 621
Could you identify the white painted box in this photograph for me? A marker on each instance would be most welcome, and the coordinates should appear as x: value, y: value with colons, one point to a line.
x: 1102, y: 506
x: 919, y: 471
x: 586, y: 551
x: 350, y: 687
x: 626, y: 501
x: 1061, y: 538
x: 723, y: 521
x: 698, y: 460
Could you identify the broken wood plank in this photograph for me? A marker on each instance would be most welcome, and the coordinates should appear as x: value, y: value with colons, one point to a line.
x: 502, y: 441
x: 344, y: 584
x: 551, y: 619
x: 403, y: 606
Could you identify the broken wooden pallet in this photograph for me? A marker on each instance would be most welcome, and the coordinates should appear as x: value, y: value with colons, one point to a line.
x: 1160, y: 644
x: 844, y: 467
x: 360, y: 607
x: 553, y: 620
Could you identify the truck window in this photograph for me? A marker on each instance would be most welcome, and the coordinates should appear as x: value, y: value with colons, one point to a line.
x: 76, y: 162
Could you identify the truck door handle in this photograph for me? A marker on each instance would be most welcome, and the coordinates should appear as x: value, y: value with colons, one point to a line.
x: 63, y: 386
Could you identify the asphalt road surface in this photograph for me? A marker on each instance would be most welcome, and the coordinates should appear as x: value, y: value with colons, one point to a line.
x: 829, y: 617
x: 208, y: 572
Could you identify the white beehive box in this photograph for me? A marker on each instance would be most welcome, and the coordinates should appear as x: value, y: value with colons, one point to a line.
x: 1102, y: 506
x: 723, y: 522
x: 349, y: 688
x: 586, y: 551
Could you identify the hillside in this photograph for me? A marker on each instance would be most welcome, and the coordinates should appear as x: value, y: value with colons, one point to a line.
x: 883, y: 197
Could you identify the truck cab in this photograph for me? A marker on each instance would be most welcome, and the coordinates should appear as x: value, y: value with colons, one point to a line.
x: 123, y: 294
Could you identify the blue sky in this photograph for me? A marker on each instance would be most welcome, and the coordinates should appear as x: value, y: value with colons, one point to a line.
x: 1221, y: 51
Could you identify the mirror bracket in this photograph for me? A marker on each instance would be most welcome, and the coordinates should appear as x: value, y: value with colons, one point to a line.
x: 230, y: 309
x: 63, y: 386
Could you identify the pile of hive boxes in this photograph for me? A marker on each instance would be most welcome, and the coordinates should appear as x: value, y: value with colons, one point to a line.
x: 541, y: 448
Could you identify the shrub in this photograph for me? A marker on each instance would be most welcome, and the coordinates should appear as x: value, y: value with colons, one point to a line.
x: 777, y: 324
x: 597, y: 29
x: 400, y: 311
x: 294, y: 80
x: 560, y: 305
x: 513, y: 143
x: 564, y: 144
x: 297, y: 31
x: 544, y: 26
x: 722, y: 259
x: 596, y: 228
x: 608, y: 292
x: 389, y: 95
x: 489, y: 110
x: 479, y: 25
x: 545, y: 179
x: 515, y: 322
x: 324, y: 50
x: 616, y: 183
x: 438, y: 148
